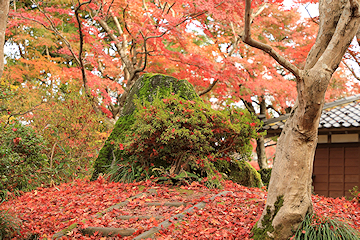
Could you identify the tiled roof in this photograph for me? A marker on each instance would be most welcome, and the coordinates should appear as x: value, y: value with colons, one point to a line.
x: 338, y: 114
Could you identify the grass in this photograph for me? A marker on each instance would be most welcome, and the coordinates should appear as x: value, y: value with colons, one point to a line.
x: 8, y: 225
x: 323, y: 228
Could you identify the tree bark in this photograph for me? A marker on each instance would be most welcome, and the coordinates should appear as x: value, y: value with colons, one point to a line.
x: 4, y: 10
x: 289, y: 195
x: 260, y: 152
x: 260, y: 142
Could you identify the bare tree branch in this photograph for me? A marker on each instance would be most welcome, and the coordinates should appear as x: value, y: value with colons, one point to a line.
x: 246, y: 37
x: 81, y: 45
x: 312, y: 18
x: 351, y: 70
x: 208, y: 89
x: 235, y: 45
x: 119, y: 47
x: 21, y: 113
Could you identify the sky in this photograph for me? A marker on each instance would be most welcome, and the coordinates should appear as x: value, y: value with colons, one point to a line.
x: 305, y: 9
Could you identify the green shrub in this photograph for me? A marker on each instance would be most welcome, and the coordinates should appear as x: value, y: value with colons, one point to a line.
x: 180, y: 134
x: 265, y: 175
x: 355, y: 193
x: 323, y: 228
x: 21, y: 158
x: 8, y: 225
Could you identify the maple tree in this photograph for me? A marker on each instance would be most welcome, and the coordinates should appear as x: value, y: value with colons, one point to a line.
x: 103, y: 46
x: 111, y: 69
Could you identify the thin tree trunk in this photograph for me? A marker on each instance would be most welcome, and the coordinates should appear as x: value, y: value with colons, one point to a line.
x: 4, y: 10
x: 260, y: 152
x: 260, y: 142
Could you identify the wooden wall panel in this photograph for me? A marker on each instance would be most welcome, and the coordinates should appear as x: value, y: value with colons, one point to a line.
x: 336, y: 169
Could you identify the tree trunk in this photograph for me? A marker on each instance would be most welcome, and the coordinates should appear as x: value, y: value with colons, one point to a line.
x: 289, y: 195
x: 260, y: 142
x: 260, y: 152
x: 4, y: 10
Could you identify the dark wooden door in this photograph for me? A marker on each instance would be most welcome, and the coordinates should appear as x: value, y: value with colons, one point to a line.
x: 336, y: 169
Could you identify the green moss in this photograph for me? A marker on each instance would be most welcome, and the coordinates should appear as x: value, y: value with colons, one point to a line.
x: 240, y: 172
x: 108, y: 152
x: 141, y: 187
x: 184, y: 191
x: 265, y: 175
x: 262, y: 233
x: 63, y: 232
x: 150, y: 85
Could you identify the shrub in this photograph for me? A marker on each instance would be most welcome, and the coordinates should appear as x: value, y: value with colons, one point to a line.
x: 265, y: 175
x: 183, y: 135
x: 355, y: 193
x: 316, y: 227
x: 8, y: 225
x: 21, y: 158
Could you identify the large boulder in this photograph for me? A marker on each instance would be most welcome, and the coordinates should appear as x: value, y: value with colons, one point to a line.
x: 145, y: 88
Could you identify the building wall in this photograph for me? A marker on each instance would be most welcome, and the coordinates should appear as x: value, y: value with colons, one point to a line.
x: 336, y: 168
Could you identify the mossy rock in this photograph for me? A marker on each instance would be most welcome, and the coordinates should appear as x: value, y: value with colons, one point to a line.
x: 145, y: 88
x: 239, y: 171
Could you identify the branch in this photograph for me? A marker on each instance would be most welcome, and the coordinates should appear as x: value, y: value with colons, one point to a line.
x: 21, y: 113
x: 346, y: 28
x: 186, y: 18
x: 119, y: 48
x: 121, y: 32
x: 144, y: 5
x: 235, y: 44
x: 209, y: 88
x: 273, y: 108
x: 54, y: 29
x: 312, y: 18
x: 246, y: 37
x: 351, y: 70
x: 81, y: 43
x: 248, y: 106
x: 146, y: 56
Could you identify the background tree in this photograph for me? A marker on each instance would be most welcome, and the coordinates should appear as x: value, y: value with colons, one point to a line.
x: 289, y: 196
x: 4, y: 10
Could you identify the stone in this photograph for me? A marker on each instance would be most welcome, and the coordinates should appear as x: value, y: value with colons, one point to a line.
x: 239, y: 171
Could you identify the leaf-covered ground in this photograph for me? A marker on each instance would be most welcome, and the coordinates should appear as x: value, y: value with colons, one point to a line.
x: 46, y: 211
